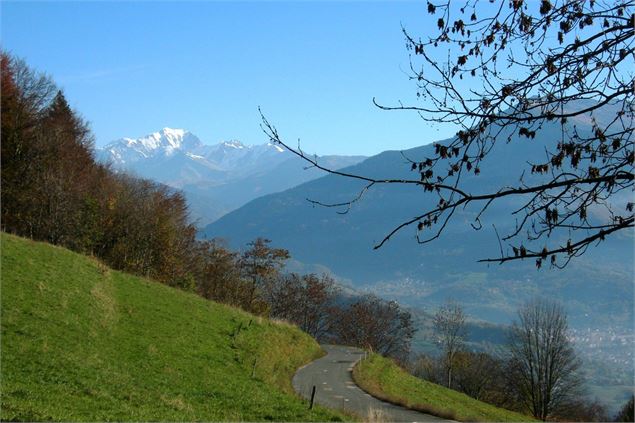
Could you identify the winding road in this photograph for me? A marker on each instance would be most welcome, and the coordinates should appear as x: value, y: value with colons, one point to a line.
x: 332, y: 377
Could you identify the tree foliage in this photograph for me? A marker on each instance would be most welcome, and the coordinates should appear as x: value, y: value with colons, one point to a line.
x: 260, y: 266
x: 508, y: 71
x: 582, y: 410
x: 626, y: 413
x: 379, y: 325
x: 480, y: 376
x: 309, y: 301
x: 219, y: 273
x: 38, y: 127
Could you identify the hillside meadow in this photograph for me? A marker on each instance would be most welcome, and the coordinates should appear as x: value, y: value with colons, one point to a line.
x: 382, y: 378
x: 81, y: 342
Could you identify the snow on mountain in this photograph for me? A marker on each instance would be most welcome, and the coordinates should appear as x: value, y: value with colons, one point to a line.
x: 124, y: 152
x: 235, y: 157
x: 215, y: 178
x: 134, y: 153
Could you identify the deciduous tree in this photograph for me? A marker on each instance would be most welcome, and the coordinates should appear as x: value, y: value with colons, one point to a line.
x: 370, y: 322
x: 626, y: 413
x: 544, y: 366
x: 218, y: 273
x: 309, y: 301
x: 450, y: 332
x: 480, y: 376
x: 260, y: 266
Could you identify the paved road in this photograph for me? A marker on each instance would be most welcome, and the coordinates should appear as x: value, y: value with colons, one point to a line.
x: 335, y: 388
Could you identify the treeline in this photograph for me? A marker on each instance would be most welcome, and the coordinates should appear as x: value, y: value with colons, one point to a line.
x: 537, y: 371
x: 54, y: 190
x: 255, y: 281
x: 494, y: 379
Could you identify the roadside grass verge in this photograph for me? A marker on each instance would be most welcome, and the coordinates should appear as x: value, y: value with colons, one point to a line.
x: 382, y: 378
x: 82, y: 342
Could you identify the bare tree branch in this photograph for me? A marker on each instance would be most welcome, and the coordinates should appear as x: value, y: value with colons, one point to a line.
x: 567, y: 65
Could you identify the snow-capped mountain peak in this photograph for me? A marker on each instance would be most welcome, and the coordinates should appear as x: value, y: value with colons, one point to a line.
x: 275, y: 147
x: 178, y: 133
x: 154, y: 149
x: 169, y: 139
x: 234, y: 144
x: 215, y: 178
x: 163, y: 143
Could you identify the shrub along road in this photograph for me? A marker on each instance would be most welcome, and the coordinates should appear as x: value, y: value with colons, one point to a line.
x: 331, y: 375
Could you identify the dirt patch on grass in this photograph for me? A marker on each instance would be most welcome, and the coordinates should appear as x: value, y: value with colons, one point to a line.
x: 103, y: 293
x: 177, y: 403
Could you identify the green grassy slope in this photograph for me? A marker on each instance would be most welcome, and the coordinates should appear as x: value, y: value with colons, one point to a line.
x: 83, y: 342
x: 383, y: 378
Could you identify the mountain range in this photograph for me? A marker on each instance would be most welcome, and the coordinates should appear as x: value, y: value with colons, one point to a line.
x: 215, y: 179
x: 596, y: 289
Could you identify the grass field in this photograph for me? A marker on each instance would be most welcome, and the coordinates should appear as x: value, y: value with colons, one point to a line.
x: 83, y: 342
x: 384, y: 379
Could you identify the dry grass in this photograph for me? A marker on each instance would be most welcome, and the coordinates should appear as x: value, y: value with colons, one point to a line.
x: 283, y: 323
x: 376, y: 415
x: 103, y: 295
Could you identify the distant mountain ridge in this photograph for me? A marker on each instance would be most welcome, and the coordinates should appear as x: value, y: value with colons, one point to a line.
x: 166, y: 142
x: 215, y: 178
x: 425, y: 276
x: 193, y: 160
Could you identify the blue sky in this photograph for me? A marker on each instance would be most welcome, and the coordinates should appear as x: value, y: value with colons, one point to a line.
x: 131, y: 68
